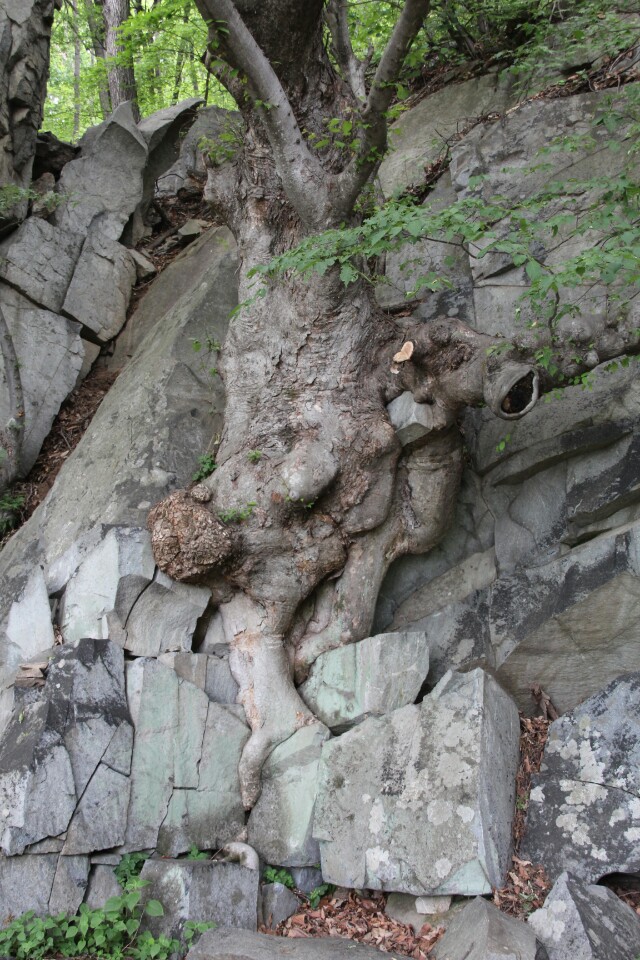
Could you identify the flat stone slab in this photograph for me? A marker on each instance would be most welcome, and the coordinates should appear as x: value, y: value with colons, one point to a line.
x: 39, y: 260
x: 584, y: 808
x: 372, y: 677
x: 482, y: 932
x: 586, y: 922
x: 200, y: 890
x: 99, y: 293
x: 227, y: 944
x: 421, y: 801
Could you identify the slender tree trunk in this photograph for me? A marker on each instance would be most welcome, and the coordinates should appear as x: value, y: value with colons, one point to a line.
x: 97, y: 33
x: 76, y: 70
x: 122, y: 83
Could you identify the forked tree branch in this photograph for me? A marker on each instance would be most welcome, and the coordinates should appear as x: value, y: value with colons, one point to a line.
x: 373, y: 133
x: 352, y: 69
x: 302, y: 175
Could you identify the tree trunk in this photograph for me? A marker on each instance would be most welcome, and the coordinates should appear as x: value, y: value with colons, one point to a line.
x: 97, y: 33
x: 122, y: 83
x: 314, y: 495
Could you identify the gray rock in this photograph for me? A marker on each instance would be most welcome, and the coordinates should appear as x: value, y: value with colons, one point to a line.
x: 39, y: 260
x: 584, y: 807
x: 27, y: 633
x: 482, y: 932
x: 278, y: 903
x: 280, y: 825
x: 163, y: 132
x: 137, y: 449
x: 413, y: 421
x: 582, y: 922
x: 185, y: 789
x: 306, y: 879
x: 25, y: 884
x: 369, y: 678
x: 122, y: 554
x: 226, y: 944
x: 210, y: 122
x: 103, y: 187
x: 164, y: 618
x: 145, y: 269
x: 55, y: 751
x: 419, y: 136
x: 402, y: 907
x: 102, y: 885
x: 99, y: 293
x: 433, y: 787
x: 49, y: 350
x: 200, y: 890
x: 69, y: 885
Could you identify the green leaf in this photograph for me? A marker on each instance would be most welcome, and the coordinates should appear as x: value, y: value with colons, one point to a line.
x: 154, y: 909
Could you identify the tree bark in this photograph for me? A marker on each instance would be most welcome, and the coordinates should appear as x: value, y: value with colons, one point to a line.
x: 314, y: 495
x: 97, y: 33
x: 122, y: 83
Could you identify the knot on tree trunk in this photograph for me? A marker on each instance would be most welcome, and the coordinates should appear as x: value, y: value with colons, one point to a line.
x: 189, y: 541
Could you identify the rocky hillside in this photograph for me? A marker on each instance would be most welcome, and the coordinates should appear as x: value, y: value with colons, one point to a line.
x: 119, y: 727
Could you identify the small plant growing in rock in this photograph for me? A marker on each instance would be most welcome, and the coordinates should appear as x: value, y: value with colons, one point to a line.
x: 318, y: 893
x: 254, y: 456
x: 278, y: 875
x: 237, y: 514
x: 206, y: 468
x: 9, y: 506
x: 195, y: 854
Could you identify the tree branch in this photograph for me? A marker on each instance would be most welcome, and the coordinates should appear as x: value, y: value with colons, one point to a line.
x: 12, y: 432
x: 352, y: 69
x: 373, y: 133
x: 302, y: 175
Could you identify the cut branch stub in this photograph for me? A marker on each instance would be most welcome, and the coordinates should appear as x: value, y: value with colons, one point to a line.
x: 188, y: 541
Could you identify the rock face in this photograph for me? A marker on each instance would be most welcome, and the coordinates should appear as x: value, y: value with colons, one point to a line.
x: 434, y: 789
x: 201, y: 890
x: 582, y: 922
x: 225, y: 944
x: 67, y: 755
x: 25, y: 30
x: 584, y: 809
x: 372, y: 677
x: 482, y: 932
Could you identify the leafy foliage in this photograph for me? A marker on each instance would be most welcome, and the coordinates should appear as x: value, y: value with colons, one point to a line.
x: 130, y: 867
x: 318, y: 893
x: 207, y: 466
x: 278, y: 875
x: 10, y: 504
x: 604, y: 210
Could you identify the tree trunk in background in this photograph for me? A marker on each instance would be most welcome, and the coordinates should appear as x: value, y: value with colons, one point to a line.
x: 122, y: 82
x: 97, y: 32
x: 76, y: 70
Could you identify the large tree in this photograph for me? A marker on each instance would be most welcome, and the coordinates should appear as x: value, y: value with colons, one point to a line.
x: 314, y: 496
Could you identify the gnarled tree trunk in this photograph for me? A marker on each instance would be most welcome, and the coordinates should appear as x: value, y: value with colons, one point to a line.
x: 314, y: 494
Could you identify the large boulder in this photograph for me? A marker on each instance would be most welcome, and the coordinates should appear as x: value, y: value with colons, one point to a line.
x: 229, y: 944
x: 421, y: 801
x: 586, y: 922
x: 584, y: 807
x: 369, y: 678
x: 482, y: 932
x: 201, y: 890
x: 50, y: 353
x: 66, y: 755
